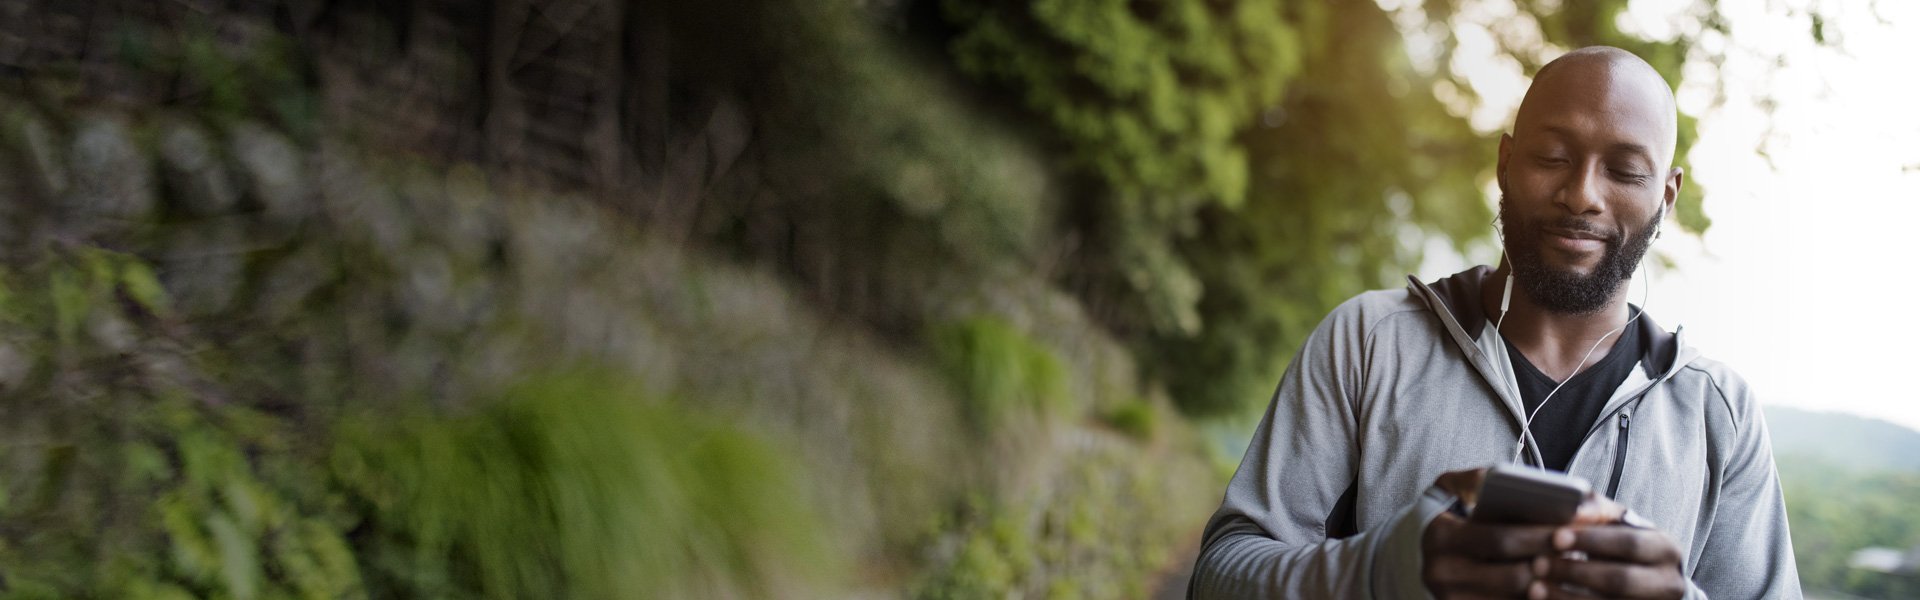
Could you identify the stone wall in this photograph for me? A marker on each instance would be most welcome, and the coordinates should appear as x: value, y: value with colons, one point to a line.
x: 317, y: 280
x: 236, y: 235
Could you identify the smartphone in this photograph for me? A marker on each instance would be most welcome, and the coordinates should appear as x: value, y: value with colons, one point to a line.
x: 1519, y: 495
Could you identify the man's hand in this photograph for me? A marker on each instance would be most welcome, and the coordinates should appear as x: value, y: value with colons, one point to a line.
x: 1621, y: 562
x: 1463, y: 559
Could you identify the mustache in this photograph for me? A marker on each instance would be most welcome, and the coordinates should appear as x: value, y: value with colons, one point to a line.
x: 1574, y: 224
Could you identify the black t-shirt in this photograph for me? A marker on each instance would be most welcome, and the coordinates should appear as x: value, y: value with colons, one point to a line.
x: 1563, y: 424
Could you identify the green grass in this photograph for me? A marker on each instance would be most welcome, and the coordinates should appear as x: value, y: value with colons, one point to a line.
x: 576, y: 485
x: 1000, y: 372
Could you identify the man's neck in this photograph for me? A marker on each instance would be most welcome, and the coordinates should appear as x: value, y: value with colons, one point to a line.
x: 1553, y: 342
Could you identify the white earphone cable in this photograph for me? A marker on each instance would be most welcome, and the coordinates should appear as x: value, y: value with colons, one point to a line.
x: 1526, y: 429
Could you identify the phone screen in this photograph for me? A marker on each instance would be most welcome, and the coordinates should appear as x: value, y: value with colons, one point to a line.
x: 1517, y: 495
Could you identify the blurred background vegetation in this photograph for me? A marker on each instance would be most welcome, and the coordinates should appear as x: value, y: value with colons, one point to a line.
x: 605, y: 299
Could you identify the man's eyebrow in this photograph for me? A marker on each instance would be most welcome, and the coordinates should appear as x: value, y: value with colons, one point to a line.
x: 1616, y: 148
x: 1637, y: 150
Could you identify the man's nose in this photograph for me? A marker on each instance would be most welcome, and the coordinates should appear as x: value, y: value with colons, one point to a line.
x: 1581, y: 192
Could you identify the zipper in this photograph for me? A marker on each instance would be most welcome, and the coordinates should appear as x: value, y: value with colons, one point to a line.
x: 1621, y: 409
x: 1619, y: 456
x: 1483, y: 363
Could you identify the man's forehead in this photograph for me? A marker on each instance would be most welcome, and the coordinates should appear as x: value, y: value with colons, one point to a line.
x: 1610, y: 98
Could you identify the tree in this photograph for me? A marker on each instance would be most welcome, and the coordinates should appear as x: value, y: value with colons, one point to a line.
x: 1250, y: 163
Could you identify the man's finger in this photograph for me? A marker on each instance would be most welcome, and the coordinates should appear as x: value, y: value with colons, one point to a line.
x: 1461, y: 575
x: 1548, y: 589
x: 1626, y: 544
x: 1493, y: 542
x: 1615, y: 579
x: 1598, y: 510
x: 1551, y: 591
x: 1463, y: 484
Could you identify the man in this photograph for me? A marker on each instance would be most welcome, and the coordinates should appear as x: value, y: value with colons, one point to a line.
x: 1541, y: 360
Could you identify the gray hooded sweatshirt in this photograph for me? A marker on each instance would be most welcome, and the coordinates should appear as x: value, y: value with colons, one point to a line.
x: 1396, y: 387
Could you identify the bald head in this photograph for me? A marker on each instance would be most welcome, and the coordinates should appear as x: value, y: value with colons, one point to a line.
x: 1603, y: 90
x: 1585, y: 178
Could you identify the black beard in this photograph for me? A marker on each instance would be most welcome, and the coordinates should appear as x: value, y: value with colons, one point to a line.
x: 1563, y: 292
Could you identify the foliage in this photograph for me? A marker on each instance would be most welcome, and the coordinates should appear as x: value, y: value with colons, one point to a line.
x: 616, y: 496
x: 858, y: 165
x: 1000, y: 373
x: 1327, y: 218
x: 232, y: 532
x: 118, y: 467
x: 1135, y: 418
x: 991, y: 562
x: 1255, y: 162
x: 1150, y: 95
x: 1836, y: 511
x: 590, y: 490
x: 1151, y: 98
x: 228, y: 79
x: 1074, y: 538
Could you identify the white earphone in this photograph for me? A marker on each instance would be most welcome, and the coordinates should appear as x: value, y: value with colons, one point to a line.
x: 1526, y: 428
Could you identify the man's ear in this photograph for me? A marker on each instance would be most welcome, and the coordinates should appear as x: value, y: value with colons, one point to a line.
x: 1500, y: 169
x: 1674, y: 178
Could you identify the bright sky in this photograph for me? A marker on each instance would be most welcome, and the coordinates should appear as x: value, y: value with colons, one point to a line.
x: 1801, y: 284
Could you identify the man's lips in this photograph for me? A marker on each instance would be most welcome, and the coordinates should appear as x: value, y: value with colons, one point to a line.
x: 1578, y: 234
x: 1575, y: 240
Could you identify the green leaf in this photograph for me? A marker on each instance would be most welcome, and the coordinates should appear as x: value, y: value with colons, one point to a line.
x: 140, y: 284
x: 239, y: 561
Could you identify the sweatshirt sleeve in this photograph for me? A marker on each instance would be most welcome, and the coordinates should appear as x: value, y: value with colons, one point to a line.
x: 1269, y: 537
x: 1748, y: 552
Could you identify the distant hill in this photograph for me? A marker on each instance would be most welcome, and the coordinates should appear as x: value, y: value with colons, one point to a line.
x: 1860, y: 442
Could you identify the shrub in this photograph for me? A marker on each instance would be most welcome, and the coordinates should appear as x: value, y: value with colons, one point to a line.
x: 999, y: 371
